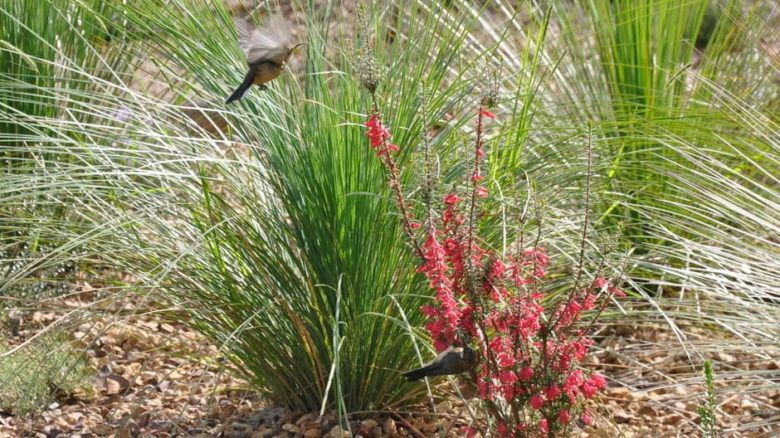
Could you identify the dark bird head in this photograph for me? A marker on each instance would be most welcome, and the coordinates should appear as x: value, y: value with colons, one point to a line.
x: 291, y: 50
x: 454, y: 360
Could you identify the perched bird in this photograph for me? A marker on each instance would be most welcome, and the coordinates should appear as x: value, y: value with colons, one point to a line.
x: 267, y: 51
x: 453, y: 360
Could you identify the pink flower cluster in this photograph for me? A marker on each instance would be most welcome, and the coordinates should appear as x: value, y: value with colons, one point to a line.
x: 530, y: 345
x: 529, y: 351
x: 378, y: 136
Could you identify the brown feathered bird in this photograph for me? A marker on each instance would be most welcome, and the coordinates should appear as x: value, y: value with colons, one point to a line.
x: 454, y: 360
x: 267, y: 51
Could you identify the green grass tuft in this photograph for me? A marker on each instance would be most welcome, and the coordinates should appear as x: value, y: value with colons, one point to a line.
x: 47, y: 369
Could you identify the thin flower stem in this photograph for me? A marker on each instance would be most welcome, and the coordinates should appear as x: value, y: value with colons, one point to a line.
x: 470, y: 267
x: 430, y: 176
x: 490, y: 403
x: 587, y: 210
x: 474, y: 183
x: 610, y: 294
x: 584, y: 236
x: 395, y: 184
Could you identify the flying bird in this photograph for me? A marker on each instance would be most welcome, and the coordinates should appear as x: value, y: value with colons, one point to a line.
x: 453, y: 360
x: 267, y: 51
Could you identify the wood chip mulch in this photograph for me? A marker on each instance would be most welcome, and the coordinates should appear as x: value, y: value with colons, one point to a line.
x: 158, y: 378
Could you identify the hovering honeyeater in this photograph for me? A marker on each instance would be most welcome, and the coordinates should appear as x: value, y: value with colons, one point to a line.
x: 267, y: 51
x: 454, y: 360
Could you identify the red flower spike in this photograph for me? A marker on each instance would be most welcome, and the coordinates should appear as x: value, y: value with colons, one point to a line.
x: 451, y: 199
x: 598, y: 380
x: 487, y: 114
x: 616, y: 292
x: 507, y: 377
x: 572, y: 385
x: 586, y: 419
x: 505, y: 359
x: 588, y: 390
x: 378, y: 136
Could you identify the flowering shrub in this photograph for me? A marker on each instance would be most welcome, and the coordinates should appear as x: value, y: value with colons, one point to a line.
x: 529, y: 345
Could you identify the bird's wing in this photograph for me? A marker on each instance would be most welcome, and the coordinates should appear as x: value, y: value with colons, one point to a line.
x: 445, y: 356
x: 270, y: 42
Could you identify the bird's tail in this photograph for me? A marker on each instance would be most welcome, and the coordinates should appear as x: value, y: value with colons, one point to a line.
x: 242, y: 89
x: 418, y: 373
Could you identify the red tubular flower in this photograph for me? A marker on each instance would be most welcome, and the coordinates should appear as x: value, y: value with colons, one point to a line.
x: 616, y: 292
x: 507, y: 377
x: 495, y: 319
x: 485, y: 113
x: 378, y: 136
x: 497, y: 269
x: 564, y: 417
x: 602, y: 283
x: 451, y: 199
x: 543, y: 426
x: 377, y: 133
x: 589, y: 302
x: 536, y: 401
x: 572, y: 385
x: 552, y: 392
x: 588, y: 390
x: 598, y: 381
x: 505, y: 359
x: 580, y: 348
x: 586, y: 418
x: 567, y: 313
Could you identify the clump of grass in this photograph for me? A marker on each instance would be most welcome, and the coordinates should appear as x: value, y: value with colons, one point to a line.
x: 45, y: 370
x: 707, y: 414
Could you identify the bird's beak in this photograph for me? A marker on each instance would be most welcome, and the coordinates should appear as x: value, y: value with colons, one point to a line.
x: 292, y: 50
